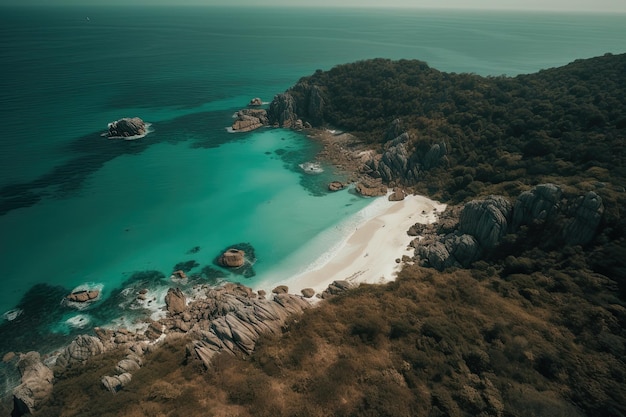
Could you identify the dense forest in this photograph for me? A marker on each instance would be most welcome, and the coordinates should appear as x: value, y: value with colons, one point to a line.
x: 535, y: 328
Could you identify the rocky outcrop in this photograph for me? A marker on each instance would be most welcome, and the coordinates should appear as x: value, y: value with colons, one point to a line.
x: 282, y: 111
x: 236, y: 319
x: 370, y: 187
x: 126, y: 128
x: 586, y: 213
x: 402, y: 159
x: 175, y: 301
x: 232, y: 258
x: 536, y: 205
x: 445, y: 251
x: 337, y: 288
x: 250, y: 119
x: 335, y: 186
x: 255, y: 102
x: 487, y: 220
x: 117, y: 382
x: 482, y: 225
x: 398, y: 194
x: 36, y: 384
x: 81, y: 349
x: 83, y: 296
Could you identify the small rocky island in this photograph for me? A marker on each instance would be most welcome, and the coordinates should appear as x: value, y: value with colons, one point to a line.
x: 128, y: 128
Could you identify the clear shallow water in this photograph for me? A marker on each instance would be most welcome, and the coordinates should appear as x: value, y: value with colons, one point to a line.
x: 77, y: 208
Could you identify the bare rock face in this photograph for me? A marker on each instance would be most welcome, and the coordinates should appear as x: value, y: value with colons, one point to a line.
x: 36, y: 384
x: 81, y: 349
x: 371, y: 188
x: 250, y: 119
x: 444, y: 251
x: 236, y: 319
x: 398, y: 194
x: 536, y: 205
x: 587, y: 212
x: 175, y: 301
x: 308, y: 292
x: 282, y: 111
x: 255, y: 102
x: 232, y: 258
x: 487, y: 220
x: 126, y: 127
x: 337, y: 288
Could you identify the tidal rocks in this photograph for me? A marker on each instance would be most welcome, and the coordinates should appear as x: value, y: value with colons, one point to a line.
x: 175, y: 301
x: 83, y: 296
x: 255, y: 102
x: 36, y: 384
x: 126, y: 128
x: 232, y: 258
x: 239, y: 259
x: 250, y: 119
x: 335, y: 186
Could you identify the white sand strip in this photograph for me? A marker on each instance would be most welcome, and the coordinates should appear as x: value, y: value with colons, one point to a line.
x: 370, y: 253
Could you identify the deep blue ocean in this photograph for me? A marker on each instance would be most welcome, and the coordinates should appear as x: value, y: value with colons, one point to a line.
x: 78, y: 209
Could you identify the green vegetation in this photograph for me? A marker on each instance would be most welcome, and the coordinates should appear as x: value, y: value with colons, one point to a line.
x: 534, y: 329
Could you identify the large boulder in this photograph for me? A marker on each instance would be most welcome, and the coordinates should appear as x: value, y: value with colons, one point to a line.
x: 487, y: 220
x: 370, y: 187
x: 83, y: 296
x: 35, y: 387
x: 126, y: 127
x: 250, y: 119
x: 81, y: 349
x: 586, y: 213
x: 232, y: 258
x: 536, y: 205
x: 175, y: 301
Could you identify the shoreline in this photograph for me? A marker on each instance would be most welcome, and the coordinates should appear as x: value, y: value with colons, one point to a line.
x: 371, y: 252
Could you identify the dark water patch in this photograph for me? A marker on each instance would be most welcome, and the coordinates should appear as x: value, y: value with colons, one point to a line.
x: 91, y: 152
x: 247, y: 269
x: 193, y: 250
x: 173, y: 93
x: 186, y: 266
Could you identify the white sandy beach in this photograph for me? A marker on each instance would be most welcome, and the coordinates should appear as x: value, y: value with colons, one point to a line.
x: 369, y: 254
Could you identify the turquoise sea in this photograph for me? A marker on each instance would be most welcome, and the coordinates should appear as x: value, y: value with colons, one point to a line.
x: 78, y: 209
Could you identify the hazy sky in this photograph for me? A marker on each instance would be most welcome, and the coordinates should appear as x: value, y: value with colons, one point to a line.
x: 557, y: 5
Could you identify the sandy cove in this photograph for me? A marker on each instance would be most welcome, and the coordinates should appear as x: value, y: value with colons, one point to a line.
x: 369, y: 254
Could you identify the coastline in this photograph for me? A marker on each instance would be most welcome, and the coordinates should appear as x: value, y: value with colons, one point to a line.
x: 371, y: 252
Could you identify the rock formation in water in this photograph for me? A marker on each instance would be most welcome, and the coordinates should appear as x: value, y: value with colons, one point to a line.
x: 232, y: 258
x: 126, y: 127
x: 83, y: 296
x: 250, y: 119
x: 255, y: 102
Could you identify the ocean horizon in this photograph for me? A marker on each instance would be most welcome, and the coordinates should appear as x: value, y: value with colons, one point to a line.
x: 77, y: 209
